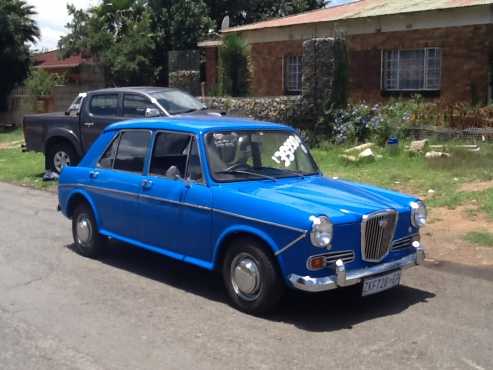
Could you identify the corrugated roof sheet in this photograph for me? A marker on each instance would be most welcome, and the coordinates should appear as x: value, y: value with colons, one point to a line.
x: 360, y: 9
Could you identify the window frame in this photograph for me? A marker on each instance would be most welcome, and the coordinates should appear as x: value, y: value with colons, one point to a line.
x: 425, y: 70
x: 118, y: 137
x: 118, y: 105
x: 285, y: 74
x: 193, y: 137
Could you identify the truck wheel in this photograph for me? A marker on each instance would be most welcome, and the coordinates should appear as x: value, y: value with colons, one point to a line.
x: 88, y: 242
x: 251, y: 277
x: 61, y: 155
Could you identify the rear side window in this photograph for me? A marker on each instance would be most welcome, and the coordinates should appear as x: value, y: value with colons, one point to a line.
x: 136, y: 105
x: 104, y: 105
x: 132, y: 149
x: 109, y: 155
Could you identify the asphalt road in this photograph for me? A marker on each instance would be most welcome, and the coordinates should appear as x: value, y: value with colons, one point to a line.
x: 137, y: 310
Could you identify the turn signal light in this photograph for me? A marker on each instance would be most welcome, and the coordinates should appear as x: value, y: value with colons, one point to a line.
x: 317, y: 263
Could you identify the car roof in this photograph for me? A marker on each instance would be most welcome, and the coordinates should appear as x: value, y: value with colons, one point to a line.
x: 134, y: 89
x: 194, y: 124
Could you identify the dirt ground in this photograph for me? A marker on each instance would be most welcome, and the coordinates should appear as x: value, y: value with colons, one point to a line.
x: 443, y: 237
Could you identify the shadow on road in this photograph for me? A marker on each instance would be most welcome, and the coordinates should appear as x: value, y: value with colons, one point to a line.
x: 330, y: 311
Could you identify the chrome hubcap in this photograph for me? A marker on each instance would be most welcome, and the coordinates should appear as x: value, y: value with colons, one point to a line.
x: 245, y: 276
x: 60, y: 160
x: 83, y: 229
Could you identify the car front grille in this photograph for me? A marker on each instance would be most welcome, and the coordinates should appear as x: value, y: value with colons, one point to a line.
x: 377, y: 232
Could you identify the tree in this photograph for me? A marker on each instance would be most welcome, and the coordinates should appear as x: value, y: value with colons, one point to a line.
x: 131, y: 38
x: 17, y: 29
x: 248, y: 11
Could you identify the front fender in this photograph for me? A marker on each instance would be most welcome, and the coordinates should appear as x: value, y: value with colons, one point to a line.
x: 235, y: 229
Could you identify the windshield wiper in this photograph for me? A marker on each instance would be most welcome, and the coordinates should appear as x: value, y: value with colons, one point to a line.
x: 245, y: 172
x: 291, y: 172
x: 186, y: 111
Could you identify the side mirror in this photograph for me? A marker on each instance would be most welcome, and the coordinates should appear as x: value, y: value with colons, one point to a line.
x: 152, y: 112
x: 173, y: 173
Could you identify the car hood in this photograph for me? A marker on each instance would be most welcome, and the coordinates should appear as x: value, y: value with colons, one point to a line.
x: 342, y: 201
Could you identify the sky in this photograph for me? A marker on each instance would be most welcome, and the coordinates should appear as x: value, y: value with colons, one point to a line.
x: 52, y: 18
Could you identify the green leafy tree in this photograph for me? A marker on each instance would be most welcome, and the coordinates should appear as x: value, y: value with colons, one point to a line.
x: 42, y: 83
x: 247, y: 11
x: 17, y: 29
x: 131, y: 38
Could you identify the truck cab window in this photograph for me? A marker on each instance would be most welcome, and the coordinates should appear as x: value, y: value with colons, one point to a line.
x: 136, y: 105
x: 104, y: 105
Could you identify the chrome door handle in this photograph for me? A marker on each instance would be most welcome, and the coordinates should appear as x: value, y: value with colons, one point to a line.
x: 146, y: 184
x: 93, y: 174
x: 88, y: 124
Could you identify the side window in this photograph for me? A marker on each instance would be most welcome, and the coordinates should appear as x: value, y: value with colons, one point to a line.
x: 194, y: 169
x: 109, y: 155
x: 132, y: 151
x: 104, y: 105
x: 170, y: 149
x: 135, y: 105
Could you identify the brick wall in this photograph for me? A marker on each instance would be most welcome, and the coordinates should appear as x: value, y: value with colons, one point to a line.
x: 465, y: 61
x: 267, y: 59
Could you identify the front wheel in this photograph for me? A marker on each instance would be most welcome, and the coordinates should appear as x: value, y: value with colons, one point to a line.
x: 251, y: 278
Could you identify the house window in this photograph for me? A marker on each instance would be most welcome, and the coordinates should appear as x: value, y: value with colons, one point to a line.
x: 292, y: 74
x: 411, y: 70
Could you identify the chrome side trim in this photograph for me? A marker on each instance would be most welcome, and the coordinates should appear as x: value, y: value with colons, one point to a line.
x: 259, y: 220
x: 290, y: 244
x: 344, y: 278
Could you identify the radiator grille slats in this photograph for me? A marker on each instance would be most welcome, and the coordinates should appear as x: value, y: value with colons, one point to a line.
x: 405, y: 242
x: 377, y: 232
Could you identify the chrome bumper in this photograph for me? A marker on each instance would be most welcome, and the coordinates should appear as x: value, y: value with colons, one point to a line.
x: 344, y: 278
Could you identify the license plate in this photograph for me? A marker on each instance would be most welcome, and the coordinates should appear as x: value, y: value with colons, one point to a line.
x: 380, y: 283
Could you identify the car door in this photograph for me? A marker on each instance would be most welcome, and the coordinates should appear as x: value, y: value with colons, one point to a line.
x: 163, y: 206
x: 99, y: 111
x: 116, y: 183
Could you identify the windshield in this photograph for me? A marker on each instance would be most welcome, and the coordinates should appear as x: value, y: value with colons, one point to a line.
x: 177, y: 102
x: 247, y: 155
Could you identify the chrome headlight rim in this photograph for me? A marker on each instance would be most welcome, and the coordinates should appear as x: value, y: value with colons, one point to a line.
x: 419, y: 214
x: 322, y: 231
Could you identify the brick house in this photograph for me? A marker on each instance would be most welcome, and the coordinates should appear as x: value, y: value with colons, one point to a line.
x: 441, y: 49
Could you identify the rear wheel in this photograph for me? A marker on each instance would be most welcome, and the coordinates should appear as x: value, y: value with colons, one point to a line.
x: 88, y: 242
x: 60, y: 155
x: 251, y: 277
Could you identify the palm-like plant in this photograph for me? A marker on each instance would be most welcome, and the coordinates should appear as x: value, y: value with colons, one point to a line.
x: 17, y: 29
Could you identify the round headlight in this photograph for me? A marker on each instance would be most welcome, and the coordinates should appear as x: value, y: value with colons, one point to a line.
x: 418, y: 214
x: 321, y: 234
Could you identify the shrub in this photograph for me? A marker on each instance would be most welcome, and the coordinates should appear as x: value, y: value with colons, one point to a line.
x: 42, y: 83
x: 233, y: 67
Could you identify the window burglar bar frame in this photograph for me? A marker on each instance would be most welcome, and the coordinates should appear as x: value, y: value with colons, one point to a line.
x: 293, y: 69
x: 398, y: 64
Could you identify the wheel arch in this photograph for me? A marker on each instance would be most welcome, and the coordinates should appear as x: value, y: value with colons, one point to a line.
x: 62, y: 136
x: 77, y: 197
x: 237, y: 232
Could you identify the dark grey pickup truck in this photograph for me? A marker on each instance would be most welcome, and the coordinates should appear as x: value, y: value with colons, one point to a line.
x: 64, y: 137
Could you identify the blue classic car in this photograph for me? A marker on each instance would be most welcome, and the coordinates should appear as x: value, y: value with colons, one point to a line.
x: 243, y: 197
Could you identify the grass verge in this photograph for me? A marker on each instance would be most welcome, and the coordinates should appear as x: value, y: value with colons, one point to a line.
x: 481, y: 238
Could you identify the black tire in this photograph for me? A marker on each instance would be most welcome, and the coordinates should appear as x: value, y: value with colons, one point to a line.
x: 270, y: 287
x: 92, y: 244
x: 59, y: 151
